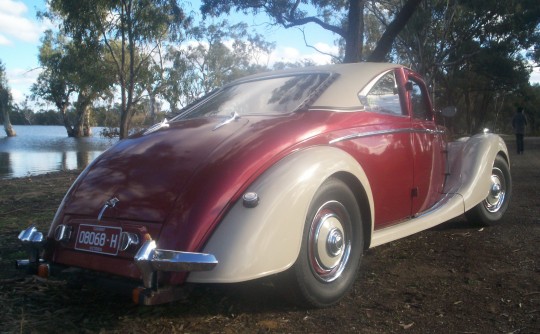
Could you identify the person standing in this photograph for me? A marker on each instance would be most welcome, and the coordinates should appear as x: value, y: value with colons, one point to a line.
x: 519, y: 122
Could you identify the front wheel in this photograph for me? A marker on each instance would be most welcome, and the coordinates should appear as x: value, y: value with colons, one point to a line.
x: 331, y: 250
x: 493, y: 207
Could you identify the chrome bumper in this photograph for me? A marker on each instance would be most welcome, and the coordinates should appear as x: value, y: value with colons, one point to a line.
x: 33, y: 242
x: 150, y: 260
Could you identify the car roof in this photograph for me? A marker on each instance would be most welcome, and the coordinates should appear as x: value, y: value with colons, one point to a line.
x: 344, y: 90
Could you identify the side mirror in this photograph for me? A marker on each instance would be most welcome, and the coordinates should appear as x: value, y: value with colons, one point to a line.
x: 449, y: 111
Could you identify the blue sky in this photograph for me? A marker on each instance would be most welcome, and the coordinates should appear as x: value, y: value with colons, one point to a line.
x: 20, y: 33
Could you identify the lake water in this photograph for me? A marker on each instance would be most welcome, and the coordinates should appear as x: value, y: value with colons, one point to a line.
x: 42, y: 149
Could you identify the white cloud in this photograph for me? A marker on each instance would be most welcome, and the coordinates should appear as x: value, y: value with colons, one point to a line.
x: 292, y: 55
x: 4, y: 40
x: 285, y: 54
x: 20, y: 76
x: 20, y: 81
x: 15, y: 24
x: 17, y: 95
x: 13, y: 7
x: 324, y: 47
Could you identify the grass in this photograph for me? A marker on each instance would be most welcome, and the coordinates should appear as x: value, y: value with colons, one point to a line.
x: 32, y: 200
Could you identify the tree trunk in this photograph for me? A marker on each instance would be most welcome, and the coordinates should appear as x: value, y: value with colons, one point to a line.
x: 10, y: 132
x: 127, y: 92
x: 86, y: 127
x: 4, y: 110
x: 153, y: 101
x: 82, y: 111
x: 384, y: 45
x: 124, y: 124
x: 354, y: 44
x: 67, y: 123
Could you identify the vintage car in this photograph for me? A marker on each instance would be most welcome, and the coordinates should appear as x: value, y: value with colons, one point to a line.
x: 290, y: 175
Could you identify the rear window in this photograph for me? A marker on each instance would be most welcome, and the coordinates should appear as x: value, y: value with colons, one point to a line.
x: 269, y: 96
x: 383, y: 96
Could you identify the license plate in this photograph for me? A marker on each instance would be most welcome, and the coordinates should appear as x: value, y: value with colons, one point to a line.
x: 98, y: 239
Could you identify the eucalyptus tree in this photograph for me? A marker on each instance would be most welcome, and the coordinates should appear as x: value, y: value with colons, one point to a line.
x: 5, y: 102
x: 153, y: 81
x: 343, y: 18
x: 72, y: 69
x: 214, y: 55
x: 54, y: 83
x: 134, y: 28
x: 22, y: 112
x: 471, y: 52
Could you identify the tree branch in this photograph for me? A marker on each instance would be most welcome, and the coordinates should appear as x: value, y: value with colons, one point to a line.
x: 289, y: 23
x: 314, y: 48
x: 385, y: 42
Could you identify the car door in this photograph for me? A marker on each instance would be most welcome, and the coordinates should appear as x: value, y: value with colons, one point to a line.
x: 427, y: 145
x: 389, y: 141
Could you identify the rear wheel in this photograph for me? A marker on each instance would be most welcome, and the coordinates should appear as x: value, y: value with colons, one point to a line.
x: 493, y: 207
x: 332, y: 247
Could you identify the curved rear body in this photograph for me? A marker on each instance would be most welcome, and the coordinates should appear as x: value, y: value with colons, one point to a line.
x: 176, y: 190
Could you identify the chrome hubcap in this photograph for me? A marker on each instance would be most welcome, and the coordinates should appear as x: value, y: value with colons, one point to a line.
x: 329, y: 243
x: 497, y: 191
x: 334, y: 244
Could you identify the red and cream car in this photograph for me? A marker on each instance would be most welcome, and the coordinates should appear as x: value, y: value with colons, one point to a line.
x: 290, y: 174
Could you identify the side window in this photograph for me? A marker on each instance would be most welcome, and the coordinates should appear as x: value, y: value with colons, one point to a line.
x: 383, y: 96
x: 418, y: 101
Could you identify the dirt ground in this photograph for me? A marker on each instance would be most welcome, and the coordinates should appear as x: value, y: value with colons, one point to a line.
x: 455, y: 278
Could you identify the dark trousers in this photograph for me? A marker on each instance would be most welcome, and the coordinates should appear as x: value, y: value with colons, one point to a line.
x: 519, y: 142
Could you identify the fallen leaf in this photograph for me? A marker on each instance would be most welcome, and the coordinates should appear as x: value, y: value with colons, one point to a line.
x: 407, y: 326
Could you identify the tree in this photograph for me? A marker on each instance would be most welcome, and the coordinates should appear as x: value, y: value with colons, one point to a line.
x: 72, y: 68
x: 22, y: 114
x: 5, y: 102
x: 471, y: 53
x: 343, y: 18
x: 384, y: 46
x: 53, y: 83
x: 218, y: 54
x: 131, y: 30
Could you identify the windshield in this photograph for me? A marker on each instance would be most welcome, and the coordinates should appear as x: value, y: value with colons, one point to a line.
x: 269, y: 96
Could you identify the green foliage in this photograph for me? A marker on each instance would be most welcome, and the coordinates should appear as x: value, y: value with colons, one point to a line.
x: 530, y: 101
x: 22, y: 114
x: 218, y: 54
x: 54, y: 84
x: 132, y: 31
x: 72, y: 68
x: 471, y: 53
x: 5, y: 102
x: 346, y: 19
x: 5, y: 94
x: 330, y: 15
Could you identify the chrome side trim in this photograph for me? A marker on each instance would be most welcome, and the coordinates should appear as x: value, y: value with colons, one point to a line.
x: 156, y: 127
x: 370, y: 134
x: 384, y: 132
x: 149, y: 260
x: 334, y: 109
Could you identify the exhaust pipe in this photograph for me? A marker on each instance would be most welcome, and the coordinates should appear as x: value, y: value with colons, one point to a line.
x: 22, y: 264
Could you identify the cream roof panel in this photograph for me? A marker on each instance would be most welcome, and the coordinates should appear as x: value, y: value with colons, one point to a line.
x: 343, y: 92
